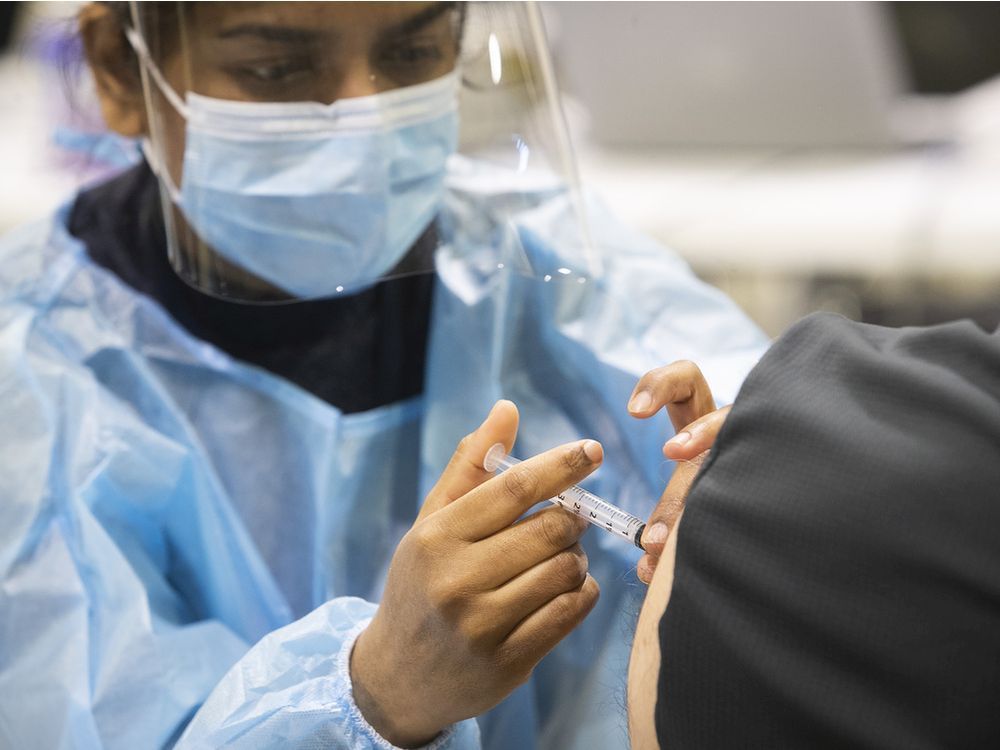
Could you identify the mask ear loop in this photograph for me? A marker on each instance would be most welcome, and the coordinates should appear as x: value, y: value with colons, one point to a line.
x: 138, y: 45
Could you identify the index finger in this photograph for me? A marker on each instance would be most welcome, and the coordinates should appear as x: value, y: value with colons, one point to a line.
x: 497, y: 503
x: 680, y: 387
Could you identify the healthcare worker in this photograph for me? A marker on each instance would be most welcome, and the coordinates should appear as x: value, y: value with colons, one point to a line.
x: 232, y: 377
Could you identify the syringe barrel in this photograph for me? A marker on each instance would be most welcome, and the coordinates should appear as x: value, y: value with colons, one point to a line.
x: 600, y: 513
x: 577, y: 500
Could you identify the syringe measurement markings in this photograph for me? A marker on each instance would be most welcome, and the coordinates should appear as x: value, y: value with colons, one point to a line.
x: 599, y: 512
x: 614, y: 513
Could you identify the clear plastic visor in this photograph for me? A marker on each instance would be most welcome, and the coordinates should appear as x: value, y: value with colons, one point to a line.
x: 307, y: 150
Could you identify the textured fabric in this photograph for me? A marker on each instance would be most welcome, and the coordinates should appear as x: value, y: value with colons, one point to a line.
x: 303, y: 675
x: 165, y: 506
x: 837, y: 578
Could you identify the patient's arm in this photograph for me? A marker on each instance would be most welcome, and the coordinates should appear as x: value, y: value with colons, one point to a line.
x: 645, y: 664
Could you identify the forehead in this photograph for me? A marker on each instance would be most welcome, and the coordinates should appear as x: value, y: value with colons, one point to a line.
x: 334, y: 19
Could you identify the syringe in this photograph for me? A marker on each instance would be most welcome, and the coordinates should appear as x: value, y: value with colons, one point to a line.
x: 577, y: 500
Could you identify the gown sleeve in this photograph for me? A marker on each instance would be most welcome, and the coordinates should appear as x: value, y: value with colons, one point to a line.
x: 293, y: 689
x: 130, y: 595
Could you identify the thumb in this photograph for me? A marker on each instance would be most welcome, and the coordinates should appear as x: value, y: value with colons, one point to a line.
x: 465, y: 471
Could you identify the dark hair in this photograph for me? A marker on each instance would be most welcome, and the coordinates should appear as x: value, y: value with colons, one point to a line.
x: 163, y: 16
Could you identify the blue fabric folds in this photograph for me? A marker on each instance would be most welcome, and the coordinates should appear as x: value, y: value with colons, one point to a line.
x: 163, y: 508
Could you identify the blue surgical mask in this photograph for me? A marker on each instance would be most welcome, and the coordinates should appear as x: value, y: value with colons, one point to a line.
x: 315, y: 198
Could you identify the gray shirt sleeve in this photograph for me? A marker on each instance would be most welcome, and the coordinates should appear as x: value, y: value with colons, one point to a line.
x: 837, y: 579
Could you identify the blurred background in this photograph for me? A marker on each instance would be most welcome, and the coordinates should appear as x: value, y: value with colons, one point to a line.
x: 801, y: 156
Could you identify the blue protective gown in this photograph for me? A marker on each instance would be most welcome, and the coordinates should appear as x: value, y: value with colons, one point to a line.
x: 189, y: 545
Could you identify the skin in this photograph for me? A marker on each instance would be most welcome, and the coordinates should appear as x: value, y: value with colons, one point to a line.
x: 646, y: 660
x: 474, y: 599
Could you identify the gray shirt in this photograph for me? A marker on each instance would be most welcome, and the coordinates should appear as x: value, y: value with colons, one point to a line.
x: 837, y: 581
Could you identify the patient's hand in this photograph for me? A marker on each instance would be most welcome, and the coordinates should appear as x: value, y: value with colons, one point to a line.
x: 682, y: 390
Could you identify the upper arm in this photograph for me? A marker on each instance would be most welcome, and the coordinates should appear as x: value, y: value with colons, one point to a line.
x: 646, y: 661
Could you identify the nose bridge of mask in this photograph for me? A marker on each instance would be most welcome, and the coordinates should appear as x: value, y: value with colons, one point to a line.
x: 303, y: 120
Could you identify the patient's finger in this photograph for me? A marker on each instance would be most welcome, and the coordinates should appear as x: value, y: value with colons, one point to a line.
x: 697, y: 437
x: 680, y: 387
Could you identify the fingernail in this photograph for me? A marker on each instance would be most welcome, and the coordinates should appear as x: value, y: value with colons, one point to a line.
x: 593, y: 450
x: 640, y: 402
x: 680, y: 438
x: 642, y: 569
x: 656, y: 534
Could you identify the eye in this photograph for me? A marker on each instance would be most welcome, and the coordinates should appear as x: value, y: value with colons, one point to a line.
x: 414, y: 54
x: 411, y: 61
x: 271, y: 71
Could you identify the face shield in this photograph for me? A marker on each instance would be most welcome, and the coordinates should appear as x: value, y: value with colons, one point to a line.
x: 306, y: 150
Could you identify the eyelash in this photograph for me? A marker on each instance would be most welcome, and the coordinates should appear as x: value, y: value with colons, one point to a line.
x: 424, y: 53
x: 270, y: 73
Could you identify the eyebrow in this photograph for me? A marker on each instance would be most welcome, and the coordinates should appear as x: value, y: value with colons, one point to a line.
x: 285, y: 34
x: 421, y: 19
x: 296, y: 35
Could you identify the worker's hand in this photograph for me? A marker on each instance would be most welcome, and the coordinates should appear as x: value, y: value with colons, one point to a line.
x: 475, y: 598
x: 682, y: 389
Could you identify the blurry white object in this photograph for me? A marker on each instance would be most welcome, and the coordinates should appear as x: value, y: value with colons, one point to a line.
x: 740, y: 74
x: 977, y: 122
x: 31, y: 182
x: 54, y: 139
